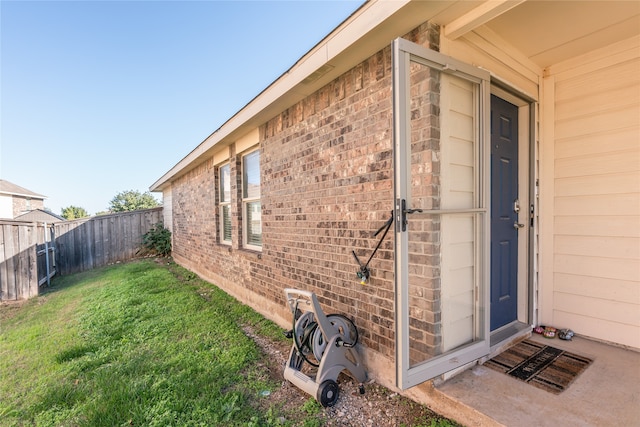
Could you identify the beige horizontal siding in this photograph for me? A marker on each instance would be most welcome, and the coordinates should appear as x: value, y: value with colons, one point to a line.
x: 606, y: 163
x: 600, y: 266
x: 619, y: 312
x: 601, y: 225
x: 596, y: 264
x: 598, y: 84
x: 616, y: 182
x: 598, y: 287
x: 617, y: 140
x: 613, y: 247
x: 603, y: 329
x: 599, y: 204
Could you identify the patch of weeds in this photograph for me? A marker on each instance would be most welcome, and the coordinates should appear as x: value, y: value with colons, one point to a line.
x: 271, y: 419
x: 311, y: 406
x: 312, y: 422
x: 435, y: 422
x: 313, y: 409
x: 257, y: 381
x: 442, y: 423
x: 230, y: 405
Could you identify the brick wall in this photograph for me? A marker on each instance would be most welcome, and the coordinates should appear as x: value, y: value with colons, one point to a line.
x: 21, y: 205
x: 327, y: 187
x: 425, y: 334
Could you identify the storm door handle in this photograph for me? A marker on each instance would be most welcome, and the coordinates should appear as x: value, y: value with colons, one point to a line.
x: 405, y: 211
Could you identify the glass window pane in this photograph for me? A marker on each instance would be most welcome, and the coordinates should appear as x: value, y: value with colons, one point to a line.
x: 443, y: 310
x: 225, y: 184
x: 443, y: 248
x: 226, y: 223
x: 251, y: 175
x: 254, y: 223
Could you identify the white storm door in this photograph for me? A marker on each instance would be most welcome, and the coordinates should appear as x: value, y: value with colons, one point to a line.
x: 442, y: 220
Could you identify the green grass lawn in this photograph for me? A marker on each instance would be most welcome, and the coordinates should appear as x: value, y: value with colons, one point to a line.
x: 130, y: 345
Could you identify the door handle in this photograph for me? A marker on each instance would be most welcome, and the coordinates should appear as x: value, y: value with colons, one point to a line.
x: 404, y: 211
x: 517, y: 225
x: 410, y: 211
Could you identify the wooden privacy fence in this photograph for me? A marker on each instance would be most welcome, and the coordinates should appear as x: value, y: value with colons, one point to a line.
x: 18, y: 264
x: 45, y: 253
x: 31, y: 253
x: 88, y: 243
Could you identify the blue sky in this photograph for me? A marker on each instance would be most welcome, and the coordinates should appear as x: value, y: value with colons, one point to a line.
x: 99, y: 97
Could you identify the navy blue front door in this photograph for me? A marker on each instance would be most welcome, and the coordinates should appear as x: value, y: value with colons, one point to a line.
x: 504, y: 218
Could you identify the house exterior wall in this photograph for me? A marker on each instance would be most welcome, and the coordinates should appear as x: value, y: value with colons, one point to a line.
x: 593, y: 283
x: 587, y: 161
x: 194, y: 223
x: 326, y: 188
x: 516, y: 79
x: 6, y: 206
x: 23, y: 204
x: 167, y: 211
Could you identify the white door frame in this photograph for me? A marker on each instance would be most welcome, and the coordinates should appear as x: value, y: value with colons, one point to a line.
x: 528, y: 191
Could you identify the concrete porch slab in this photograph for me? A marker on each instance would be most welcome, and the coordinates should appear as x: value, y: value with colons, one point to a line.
x: 607, y: 393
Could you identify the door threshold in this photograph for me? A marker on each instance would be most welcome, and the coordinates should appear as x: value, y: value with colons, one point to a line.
x: 505, y: 336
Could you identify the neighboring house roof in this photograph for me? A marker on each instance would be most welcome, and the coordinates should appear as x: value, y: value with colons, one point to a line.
x: 40, y: 215
x: 12, y: 189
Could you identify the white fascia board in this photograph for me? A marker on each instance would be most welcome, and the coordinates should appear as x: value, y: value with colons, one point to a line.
x: 28, y: 196
x: 374, y: 15
x: 478, y: 16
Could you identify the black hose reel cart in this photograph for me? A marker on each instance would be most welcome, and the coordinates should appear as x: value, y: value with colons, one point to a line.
x: 326, y: 343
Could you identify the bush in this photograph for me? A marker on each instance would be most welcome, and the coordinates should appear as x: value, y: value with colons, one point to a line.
x: 157, y: 240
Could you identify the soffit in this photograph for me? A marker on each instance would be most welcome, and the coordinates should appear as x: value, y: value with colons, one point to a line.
x: 549, y: 32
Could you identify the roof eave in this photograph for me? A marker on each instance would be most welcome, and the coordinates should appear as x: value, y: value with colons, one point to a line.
x: 343, y: 48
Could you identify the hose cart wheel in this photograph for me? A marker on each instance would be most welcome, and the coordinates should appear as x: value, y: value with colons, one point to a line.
x: 328, y: 393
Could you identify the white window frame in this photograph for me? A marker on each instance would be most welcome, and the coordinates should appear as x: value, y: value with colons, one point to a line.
x: 246, y: 200
x: 224, y: 203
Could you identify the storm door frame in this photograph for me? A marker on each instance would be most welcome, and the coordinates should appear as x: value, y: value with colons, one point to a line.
x: 404, y: 53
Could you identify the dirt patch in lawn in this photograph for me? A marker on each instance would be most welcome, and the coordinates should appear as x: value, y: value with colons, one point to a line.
x: 8, y: 309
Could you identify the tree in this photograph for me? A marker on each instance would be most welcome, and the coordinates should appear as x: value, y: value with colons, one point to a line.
x: 74, y: 212
x: 132, y: 201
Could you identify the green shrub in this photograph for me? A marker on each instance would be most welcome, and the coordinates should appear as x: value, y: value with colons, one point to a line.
x: 157, y: 240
